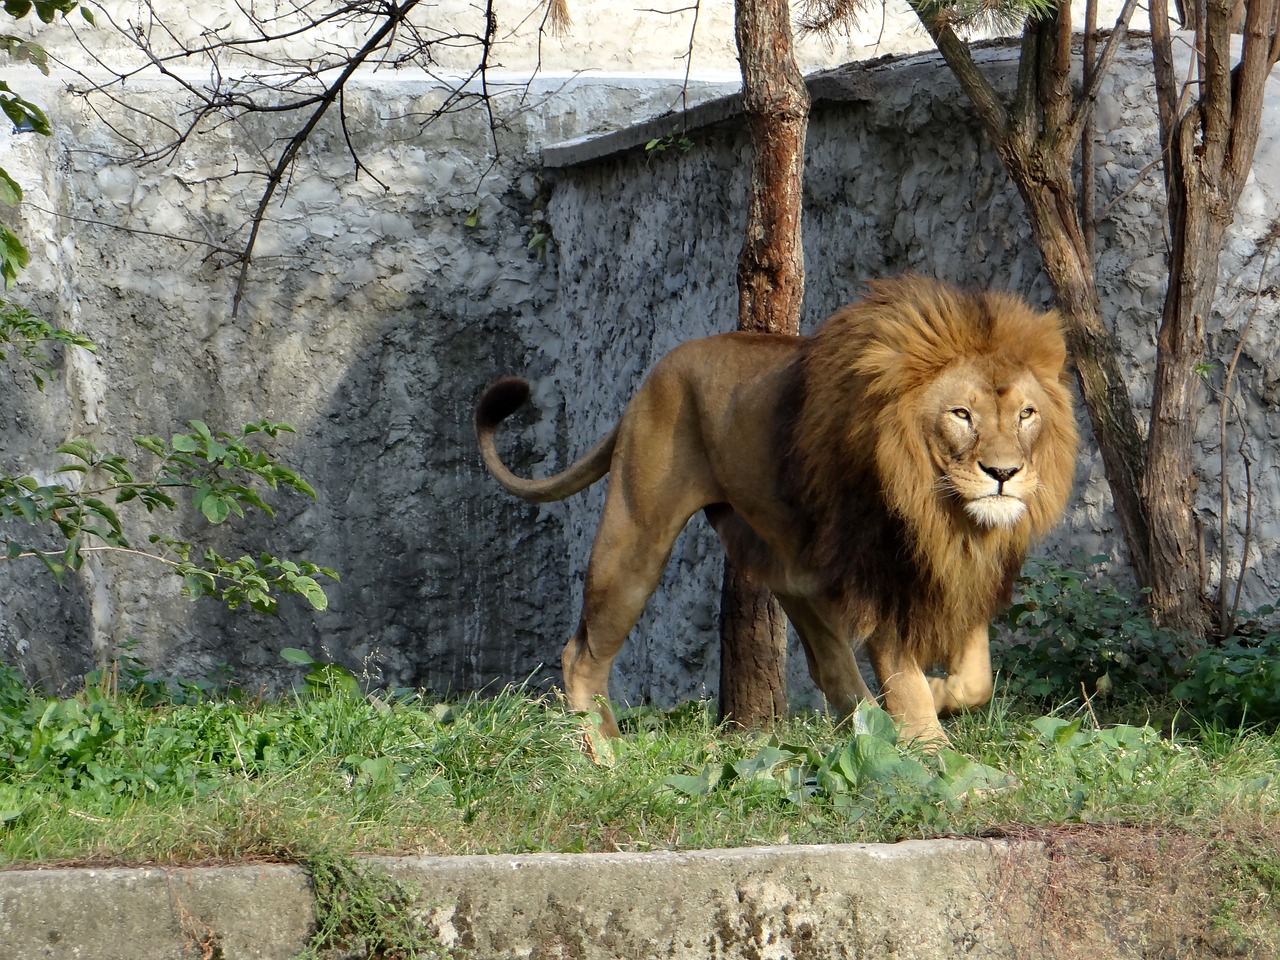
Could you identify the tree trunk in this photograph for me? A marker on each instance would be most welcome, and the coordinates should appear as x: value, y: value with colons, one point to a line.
x: 1209, y: 149
x: 770, y: 290
x: 1197, y: 226
x: 1052, y: 209
x: 753, y: 653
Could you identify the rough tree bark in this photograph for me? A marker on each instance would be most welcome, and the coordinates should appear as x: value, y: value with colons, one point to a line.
x: 1209, y: 145
x: 770, y: 290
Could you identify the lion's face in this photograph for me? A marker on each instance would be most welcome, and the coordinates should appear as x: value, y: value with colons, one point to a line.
x: 981, y: 426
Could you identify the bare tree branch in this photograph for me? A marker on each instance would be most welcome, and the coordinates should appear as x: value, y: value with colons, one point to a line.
x: 286, y: 64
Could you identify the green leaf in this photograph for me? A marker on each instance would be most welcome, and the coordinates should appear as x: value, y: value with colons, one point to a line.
x: 23, y: 113
x: 333, y: 678
x: 1055, y: 731
x: 299, y: 657
x: 215, y: 509
x: 10, y: 191
x: 311, y: 591
x: 762, y: 764
x: 873, y: 721
x: 699, y: 786
x: 153, y: 444
x: 13, y: 256
x: 55, y: 567
x: 874, y: 760
x: 80, y: 449
x: 960, y: 774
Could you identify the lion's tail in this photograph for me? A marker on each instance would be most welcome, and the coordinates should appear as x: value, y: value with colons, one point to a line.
x: 503, y: 398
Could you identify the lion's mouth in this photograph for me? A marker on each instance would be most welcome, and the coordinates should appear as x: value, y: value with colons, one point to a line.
x: 997, y: 510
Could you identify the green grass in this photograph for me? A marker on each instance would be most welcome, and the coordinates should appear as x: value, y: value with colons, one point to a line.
x: 108, y: 777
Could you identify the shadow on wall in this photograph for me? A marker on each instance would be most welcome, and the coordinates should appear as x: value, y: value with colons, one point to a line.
x: 434, y: 557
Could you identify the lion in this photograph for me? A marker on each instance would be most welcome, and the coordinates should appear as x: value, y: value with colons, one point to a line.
x: 883, y: 477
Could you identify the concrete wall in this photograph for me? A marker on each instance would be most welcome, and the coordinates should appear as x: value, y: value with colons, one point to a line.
x: 373, y: 317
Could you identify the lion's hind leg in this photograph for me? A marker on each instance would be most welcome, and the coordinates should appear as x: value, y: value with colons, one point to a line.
x: 830, y: 659
x: 633, y: 543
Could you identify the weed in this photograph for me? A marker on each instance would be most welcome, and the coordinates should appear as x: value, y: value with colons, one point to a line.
x: 364, y: 911
x: 1235, y: 681
x: 110, y: 775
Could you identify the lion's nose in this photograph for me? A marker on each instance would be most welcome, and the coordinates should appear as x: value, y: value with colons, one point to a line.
x: 999, y: 474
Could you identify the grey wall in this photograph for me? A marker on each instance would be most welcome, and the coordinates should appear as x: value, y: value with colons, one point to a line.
x: 371, y: 321
x: 376, y: 317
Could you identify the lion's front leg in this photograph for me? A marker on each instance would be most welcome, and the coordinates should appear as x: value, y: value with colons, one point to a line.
x: 968, y: 682
x: 905, y: 690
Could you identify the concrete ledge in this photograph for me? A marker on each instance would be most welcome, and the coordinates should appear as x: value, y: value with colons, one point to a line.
x: 155, y: 914
x: 920, y: 899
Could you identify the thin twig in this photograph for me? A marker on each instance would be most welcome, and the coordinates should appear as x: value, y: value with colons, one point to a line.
x: 1227, y: 615
x: 137, y: 231
x: 294, y: 144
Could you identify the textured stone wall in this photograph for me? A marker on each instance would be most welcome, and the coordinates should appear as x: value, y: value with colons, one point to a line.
x: 373, y: 318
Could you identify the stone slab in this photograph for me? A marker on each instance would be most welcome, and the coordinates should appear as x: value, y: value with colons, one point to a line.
x: 918, y: 899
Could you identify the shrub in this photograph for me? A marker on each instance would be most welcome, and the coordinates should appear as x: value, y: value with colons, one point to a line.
x: 1071, y: 632
x: 1237, y: 681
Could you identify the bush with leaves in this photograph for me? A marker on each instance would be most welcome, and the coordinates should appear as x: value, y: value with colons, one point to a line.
x: 74, y: 514
x: 1237, y: 681
x: 870, y: 774
x: 24, y: 115
x: 1071, y: 633
x: 220, y: 471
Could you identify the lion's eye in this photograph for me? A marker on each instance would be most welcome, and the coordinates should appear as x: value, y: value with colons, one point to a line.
x: 960, y: 413
x: 1027, y: 413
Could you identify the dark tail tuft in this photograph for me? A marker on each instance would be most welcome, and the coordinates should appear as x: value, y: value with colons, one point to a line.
x: 503, y: 398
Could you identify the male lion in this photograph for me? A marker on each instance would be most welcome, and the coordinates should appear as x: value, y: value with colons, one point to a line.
x: 882, y: 477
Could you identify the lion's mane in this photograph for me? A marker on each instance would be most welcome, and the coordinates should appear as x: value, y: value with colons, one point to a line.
x: 879, y: 533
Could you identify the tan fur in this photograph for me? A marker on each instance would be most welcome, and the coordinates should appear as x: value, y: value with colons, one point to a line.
x: 883, y: 477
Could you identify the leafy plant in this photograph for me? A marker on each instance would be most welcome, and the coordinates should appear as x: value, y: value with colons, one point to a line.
x: 24, y: 115
x: 220, y: 471
x: 1238, y: 680
x: 323, y: 678
x: 869, y: 774
x: 1070, y: 632
x: 675, y: 141
x: 363, y: 910
x: 29, y: 336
